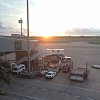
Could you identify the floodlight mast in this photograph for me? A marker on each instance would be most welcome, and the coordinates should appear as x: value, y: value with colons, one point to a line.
x: 21, y: 22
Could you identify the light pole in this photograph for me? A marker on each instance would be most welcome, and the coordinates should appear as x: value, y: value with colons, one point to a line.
x: 21, y: 21
x: 28, y: 44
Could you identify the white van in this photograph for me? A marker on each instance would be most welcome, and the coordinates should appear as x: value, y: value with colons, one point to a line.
x: 18, y: 68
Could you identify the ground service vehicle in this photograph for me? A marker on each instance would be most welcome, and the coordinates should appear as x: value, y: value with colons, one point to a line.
x: 66, y: 58
x: 54, y: 67
x: 79, y: 74
x: 55, y: 51
x: 66, y: 64
x: 50, y: 74
x: 18, y: 68
x: 43, y: 72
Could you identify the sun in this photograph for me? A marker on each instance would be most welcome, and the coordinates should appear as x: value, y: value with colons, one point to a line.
x: 41, y: 31
x: 46, y: 37
x: 46, y: 34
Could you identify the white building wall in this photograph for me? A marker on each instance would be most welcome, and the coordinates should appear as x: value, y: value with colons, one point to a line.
x: 6, y: 44
x: 33, y: 44
x: 12, y: 44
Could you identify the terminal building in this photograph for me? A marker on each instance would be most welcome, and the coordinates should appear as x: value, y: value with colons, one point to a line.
x: 16, y: 50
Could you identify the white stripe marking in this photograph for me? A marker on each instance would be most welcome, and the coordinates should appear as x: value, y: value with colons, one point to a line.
x: 72, y: 86
x: 25, y: 96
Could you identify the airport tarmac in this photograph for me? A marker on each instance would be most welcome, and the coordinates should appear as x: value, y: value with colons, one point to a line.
x: 61, y: 88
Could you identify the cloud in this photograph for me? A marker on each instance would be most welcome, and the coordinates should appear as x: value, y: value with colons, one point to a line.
x: 87, y: 30
x: 83, y: 31
x: 2, y: 29
x: 7, y: 30
x: 1, y: 26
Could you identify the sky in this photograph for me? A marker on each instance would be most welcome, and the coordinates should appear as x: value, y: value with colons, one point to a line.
x: 51, y: 17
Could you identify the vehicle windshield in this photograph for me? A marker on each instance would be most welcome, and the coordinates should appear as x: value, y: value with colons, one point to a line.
x: 49, y: 73
x: 78, y: 75
x: 14, y: 69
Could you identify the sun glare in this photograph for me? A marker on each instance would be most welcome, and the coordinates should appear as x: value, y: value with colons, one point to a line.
x: 46, y: 37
